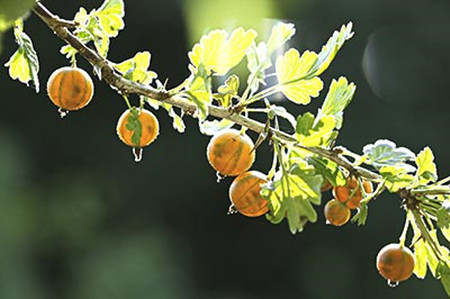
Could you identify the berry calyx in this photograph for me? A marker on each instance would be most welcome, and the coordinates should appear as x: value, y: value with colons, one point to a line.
x: 245, y: 194
x: 70, y: 88
x: 137, y: 128
x: 230, y: 153
x: 351, y: 193
x: 336, y: 213
x: 395, y: 263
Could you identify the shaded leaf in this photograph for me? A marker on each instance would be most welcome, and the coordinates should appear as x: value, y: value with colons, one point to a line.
x: 386, y: 153
x: 329, y: 169
x: 443, y: 271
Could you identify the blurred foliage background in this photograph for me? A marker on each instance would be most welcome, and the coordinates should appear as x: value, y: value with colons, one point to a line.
x: 80, y: 219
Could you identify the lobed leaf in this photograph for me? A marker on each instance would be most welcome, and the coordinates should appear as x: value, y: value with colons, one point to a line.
x: 292, y: 74
x: 386, y: 153
x: 330, y: 49
x: 219, y: 52
x: 110, y: 16
x: 227, y: 91
x: 426, y: 167
x: 329, y: 169
x: 280, y: 34
x: 199, y: 91
x: 136, y: 68
x: 24, y: 64
x: 338, y: 97
x: 396, y: 177
x: 310, y: 132
x: 291, y: 196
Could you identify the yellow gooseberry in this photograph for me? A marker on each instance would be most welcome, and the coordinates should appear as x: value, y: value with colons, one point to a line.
x: 351, y: 193
x: 395, y: 263
x: 336, y: 213
x: 245, y: 194
x: 230, y: 153
x: 70, y: 88
x: 149, y: 130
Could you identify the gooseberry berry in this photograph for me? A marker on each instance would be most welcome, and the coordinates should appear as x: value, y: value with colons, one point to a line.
x: 245, y: 194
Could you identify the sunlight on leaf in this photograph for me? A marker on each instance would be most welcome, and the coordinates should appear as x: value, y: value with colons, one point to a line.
x: 427, y: 168
x: 219, y: 52
x: 396, y: 177
x: 292, y: 73
x: 136, y: 68
x: 281, y: 33
x: 110, y: 16
x: 386, y: 153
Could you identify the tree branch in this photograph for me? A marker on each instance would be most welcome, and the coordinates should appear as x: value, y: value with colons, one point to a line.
x: 116, y: 81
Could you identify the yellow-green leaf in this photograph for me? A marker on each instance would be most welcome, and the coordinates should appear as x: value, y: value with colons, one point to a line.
x: 219, y: 52
x: 200, y: 94
x: 446, y: 232
x: 136, y: 68
x: 281, y: 33
x: 110, y: 16
x: 426, y: 167
x: 420, y: 267
x: 292, y: 73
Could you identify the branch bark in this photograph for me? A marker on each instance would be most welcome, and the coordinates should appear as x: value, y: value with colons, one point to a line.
x: 116, y: 81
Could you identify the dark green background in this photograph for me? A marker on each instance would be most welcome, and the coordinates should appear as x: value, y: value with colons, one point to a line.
x: 80, y: 219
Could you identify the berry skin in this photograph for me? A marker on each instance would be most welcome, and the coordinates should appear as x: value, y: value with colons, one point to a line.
x: 70, y: 88
x: 336, y: 213
x: 245, y: 194
x: 342, y: 193
x: 395, y: 263
x: 230, y: 152
x: 150, y: 128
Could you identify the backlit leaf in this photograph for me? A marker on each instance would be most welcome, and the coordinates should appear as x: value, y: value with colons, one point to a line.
x: 281, y: 33
x: 312, y: 133
x: 110, y: 16
x: 420, y: 268
x: 338, y: 97
x: 426, y: 167
x: 219, y: 52
x: 200, y: 93
x: 292, y: 74
x: 211, y: 128
x: 136, y: 68
x: 396, y: 177
x: 24, y: 64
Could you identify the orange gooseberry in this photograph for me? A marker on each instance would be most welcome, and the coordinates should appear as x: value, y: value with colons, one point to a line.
x: 70, y: 88
x: 395, y: 263
x: 336, y: 213
x: 245, y: 194
x: 231, y: 153
x: 149, y: 130
x: 351, y: 193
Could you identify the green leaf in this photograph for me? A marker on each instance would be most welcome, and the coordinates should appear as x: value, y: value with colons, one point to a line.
x: 199, y: 91
x: 281, y: 33
x: 110, y: 16
x: 361, y: 215
x: 443, y: 270
x: 329, y: 169
x: 292, y: 74
x: 426, y: 167
x: 420, y: 267
x: 227, y: 91
x: 443, y: 216
x: 258, y: 61
x: 177, y: 121
x: 219, y: 52
x: 211, y: 128
x: 134, y: 125
x: 136, y: 68
x: 291, y: 196
x: 24, y: 64
x: 339, y: 96
x: 386, y: 153
x: 330, y: 50
x: 310, y: 132
x: 396, y: 177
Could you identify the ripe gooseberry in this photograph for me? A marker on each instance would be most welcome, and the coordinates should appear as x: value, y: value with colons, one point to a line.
x: 351, y: 193
x: 70, y: 88
x: 245, y: 194
x: 336, y: 213
x: 230, y: 153
x: 395, y: 263
x: 128, y: 129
